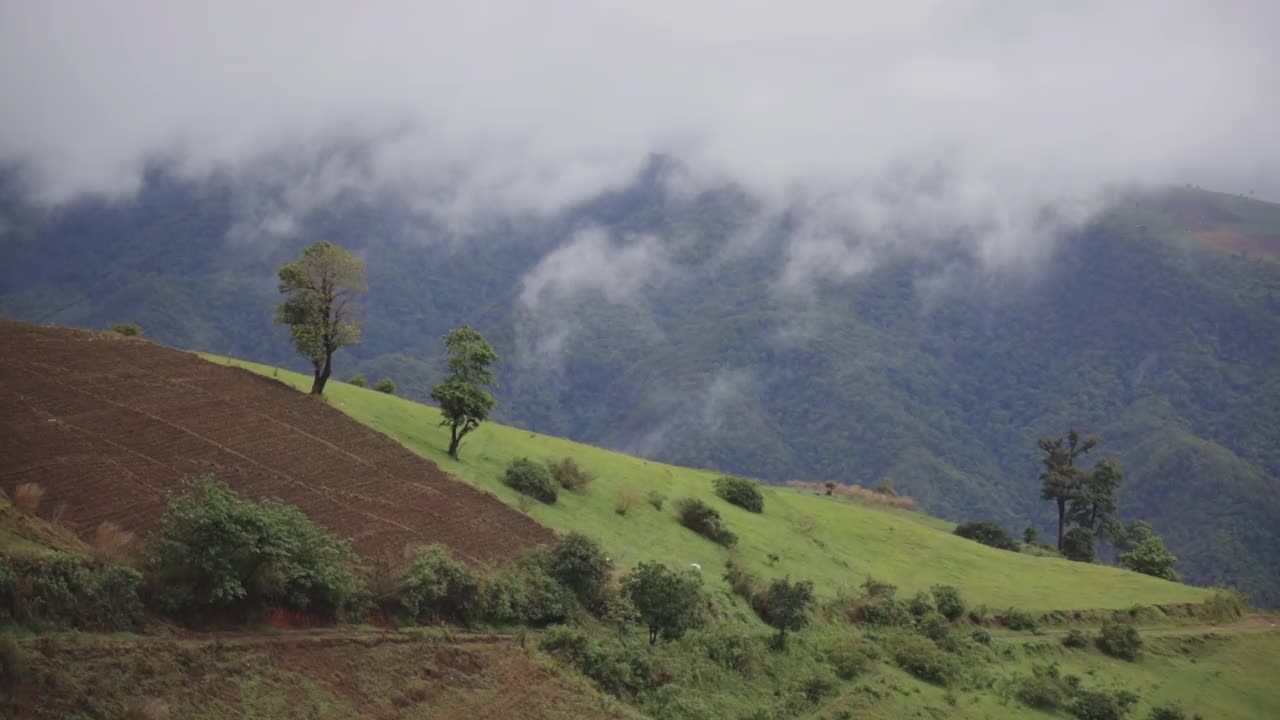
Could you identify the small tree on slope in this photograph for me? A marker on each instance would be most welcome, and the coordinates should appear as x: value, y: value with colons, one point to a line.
x: 463, y: 401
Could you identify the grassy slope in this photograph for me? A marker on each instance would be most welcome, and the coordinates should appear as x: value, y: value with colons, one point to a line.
x: 22, y: 535
x: 832, y: 542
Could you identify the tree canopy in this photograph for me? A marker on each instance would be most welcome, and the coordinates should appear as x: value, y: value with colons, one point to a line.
x: 668, y: 602
x: 1060, y: 479
x: 463, y: 401
x: 321, y: 287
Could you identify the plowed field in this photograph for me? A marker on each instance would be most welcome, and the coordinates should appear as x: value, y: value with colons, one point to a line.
x: 108, y: 426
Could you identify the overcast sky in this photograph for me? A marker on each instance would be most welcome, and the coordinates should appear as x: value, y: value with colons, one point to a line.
x: 540, y: 103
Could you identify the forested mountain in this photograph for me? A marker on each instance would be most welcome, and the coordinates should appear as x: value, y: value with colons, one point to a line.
x: 666, y: 324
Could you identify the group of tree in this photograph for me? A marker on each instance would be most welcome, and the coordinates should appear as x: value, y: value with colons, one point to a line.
x: 1087, y: 501
x: 321, y: 308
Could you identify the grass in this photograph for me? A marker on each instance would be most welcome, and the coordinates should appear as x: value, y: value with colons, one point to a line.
x: 22, y: 534
x: 834, y: 542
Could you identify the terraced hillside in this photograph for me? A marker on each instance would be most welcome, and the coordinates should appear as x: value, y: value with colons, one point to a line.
x: 108, y: 426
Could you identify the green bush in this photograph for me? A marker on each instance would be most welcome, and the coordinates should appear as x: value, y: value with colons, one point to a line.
x: 533, y: 479
x: 847, y: 658
x: 741, y: 492
x: 63, y: 591
x: 579, y: 564
x: 1016, y: 619
x: 1167, y: 712
x: 525, y: 592
x: 732, y: 649
x: 920, y: 604
x: 704, y: 520
x: 569, y: 475
x: 215, y: 551
x: 656, y: 499
x: 1045, y: 689
x: 949, y: 602
x: 885, y: 609
x: 127, y: 329
x: 358, y: 381
x: 1076, y: 639
x: 620, y: 671
x: 925, y: 660
x: 785, y: 606
x: 933, y: 626
x: 1119, y: 641
x: 1094, y: 705
x: 981, y: 636
x: 437, y: 587
x: 987, y: 533
x: 385, y: 385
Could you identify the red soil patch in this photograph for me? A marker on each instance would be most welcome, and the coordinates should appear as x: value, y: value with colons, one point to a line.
x: 110, y: 426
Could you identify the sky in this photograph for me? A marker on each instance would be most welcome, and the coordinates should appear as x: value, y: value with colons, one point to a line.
x: 883, y: 124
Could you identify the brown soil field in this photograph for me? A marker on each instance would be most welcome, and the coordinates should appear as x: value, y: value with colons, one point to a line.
x: 109, y: 426
x: 297, y: 675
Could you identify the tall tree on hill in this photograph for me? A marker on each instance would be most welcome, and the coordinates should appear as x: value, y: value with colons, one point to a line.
x: 463, y: 401
x: 320, y: 288
x: 1096, y: 501
x: 1060, y: 481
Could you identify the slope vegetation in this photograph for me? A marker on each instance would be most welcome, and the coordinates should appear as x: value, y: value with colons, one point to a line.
x: 834, y: 542
x: 109, y: 426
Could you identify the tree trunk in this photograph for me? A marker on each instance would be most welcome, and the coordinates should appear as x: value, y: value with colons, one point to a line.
x: 1062, y: 511
x: 454, y: 440
x: 322, y: 375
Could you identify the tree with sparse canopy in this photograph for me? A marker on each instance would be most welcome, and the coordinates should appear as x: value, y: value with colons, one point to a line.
x: 463, y: 401
x: 321, y: 287
x: 1060, y: 480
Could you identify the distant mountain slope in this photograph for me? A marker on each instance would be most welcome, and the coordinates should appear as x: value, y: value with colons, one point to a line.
x: 1149, y: 326
x: 109, y: 427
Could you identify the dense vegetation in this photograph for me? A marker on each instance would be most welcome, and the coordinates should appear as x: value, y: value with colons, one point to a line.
x: 932, y: 372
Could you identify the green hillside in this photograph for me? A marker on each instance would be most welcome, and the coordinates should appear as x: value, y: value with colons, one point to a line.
x: 836, y: 543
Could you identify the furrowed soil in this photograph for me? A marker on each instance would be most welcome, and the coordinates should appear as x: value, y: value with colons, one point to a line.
x: 110, y: 426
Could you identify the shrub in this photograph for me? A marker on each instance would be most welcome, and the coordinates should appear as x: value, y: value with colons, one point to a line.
x: 525, y: 592
x: 920, y: 604
x: 358, y: 381
x: 1016, y: 619
x: 626, y: 501
x: 437, y: 587
x: 61, y: 590
x: 385, y: 385
x: 1078, y: 545
x: 579, y: 564
x: 732, y: 650
x: 1167, y: 712
x: 1150, y: 557
x: 741, y: 492
x: 1092, y: 705
x: 111, y: 543
x: 848, y: 659
x: 933, y: 626
x: 570, y: 477
x: 126, y: 329
x: 948, y: 601
x: 530, y: 478
x: 987, y: 533
x: 923, y: 659
x: 1044, y: 689
x: 1076, y: 639
x: 668, y: 602
x: 216, y: 551
x: 1119, y: 641
x: 27, y: 497
x: 656, y: 499
x: 743, y: 583
x: 704, y: 520
x: 885, y: 609
x: 981, y: 636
